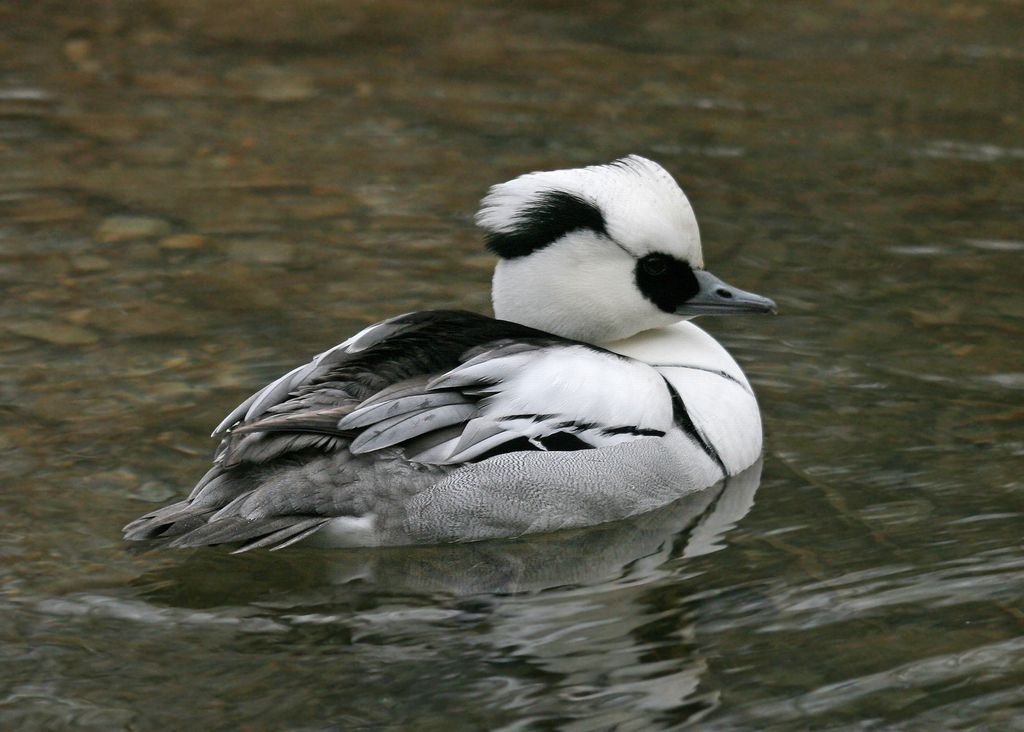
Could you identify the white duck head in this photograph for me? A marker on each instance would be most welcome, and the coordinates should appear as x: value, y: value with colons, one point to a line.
x: 601, y: 253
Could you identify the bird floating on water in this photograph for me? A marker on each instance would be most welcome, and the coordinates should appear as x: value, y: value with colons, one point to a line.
x: 589, y: 397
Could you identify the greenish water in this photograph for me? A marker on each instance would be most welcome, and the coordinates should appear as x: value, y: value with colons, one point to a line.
x: 195, y: 196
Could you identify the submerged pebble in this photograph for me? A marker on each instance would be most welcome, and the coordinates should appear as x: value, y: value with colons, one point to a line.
x: 121, y: 228
x: 274, y: 83
x: 90, y: 263
x: 261, y: 251
x: 50, y: 331
x: 183, y: 241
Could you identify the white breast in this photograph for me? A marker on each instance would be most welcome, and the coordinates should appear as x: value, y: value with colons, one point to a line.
x: 714, y: 389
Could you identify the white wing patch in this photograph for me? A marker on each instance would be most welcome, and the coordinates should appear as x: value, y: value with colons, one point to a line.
x: 551, y: 395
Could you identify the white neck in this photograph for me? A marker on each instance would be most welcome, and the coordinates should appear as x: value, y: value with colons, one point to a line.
x: 582, y: 289
x: 681, y: 344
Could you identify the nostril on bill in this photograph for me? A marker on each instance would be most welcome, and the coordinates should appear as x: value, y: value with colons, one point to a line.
x: 723, y: 293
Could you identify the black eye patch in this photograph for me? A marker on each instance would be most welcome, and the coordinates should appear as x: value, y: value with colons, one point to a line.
x: 666, y: 281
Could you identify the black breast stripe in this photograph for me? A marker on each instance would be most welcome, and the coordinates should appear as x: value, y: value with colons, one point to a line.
x: 716, y: 372
x: 682, y: 418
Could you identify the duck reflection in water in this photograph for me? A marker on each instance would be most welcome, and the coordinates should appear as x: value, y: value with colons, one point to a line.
x: 573, y: 611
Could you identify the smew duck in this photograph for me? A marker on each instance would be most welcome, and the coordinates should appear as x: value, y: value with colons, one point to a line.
x: 589, y: 397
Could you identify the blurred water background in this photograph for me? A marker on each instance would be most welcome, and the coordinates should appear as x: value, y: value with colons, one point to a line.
x: 197, y: 195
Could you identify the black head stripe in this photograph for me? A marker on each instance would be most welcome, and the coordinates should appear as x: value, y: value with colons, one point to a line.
x: 666, y: 281
x: 544, y: 221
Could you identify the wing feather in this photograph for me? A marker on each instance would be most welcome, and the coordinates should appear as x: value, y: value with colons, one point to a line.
x: 517, y: 391
x: 465, y: 452
x: 371, y: 414
x: 313, y: 420
x: 404, y: 427
x: 287, y: 536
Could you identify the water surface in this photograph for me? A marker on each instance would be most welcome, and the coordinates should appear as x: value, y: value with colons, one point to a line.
x: 195, y: 196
